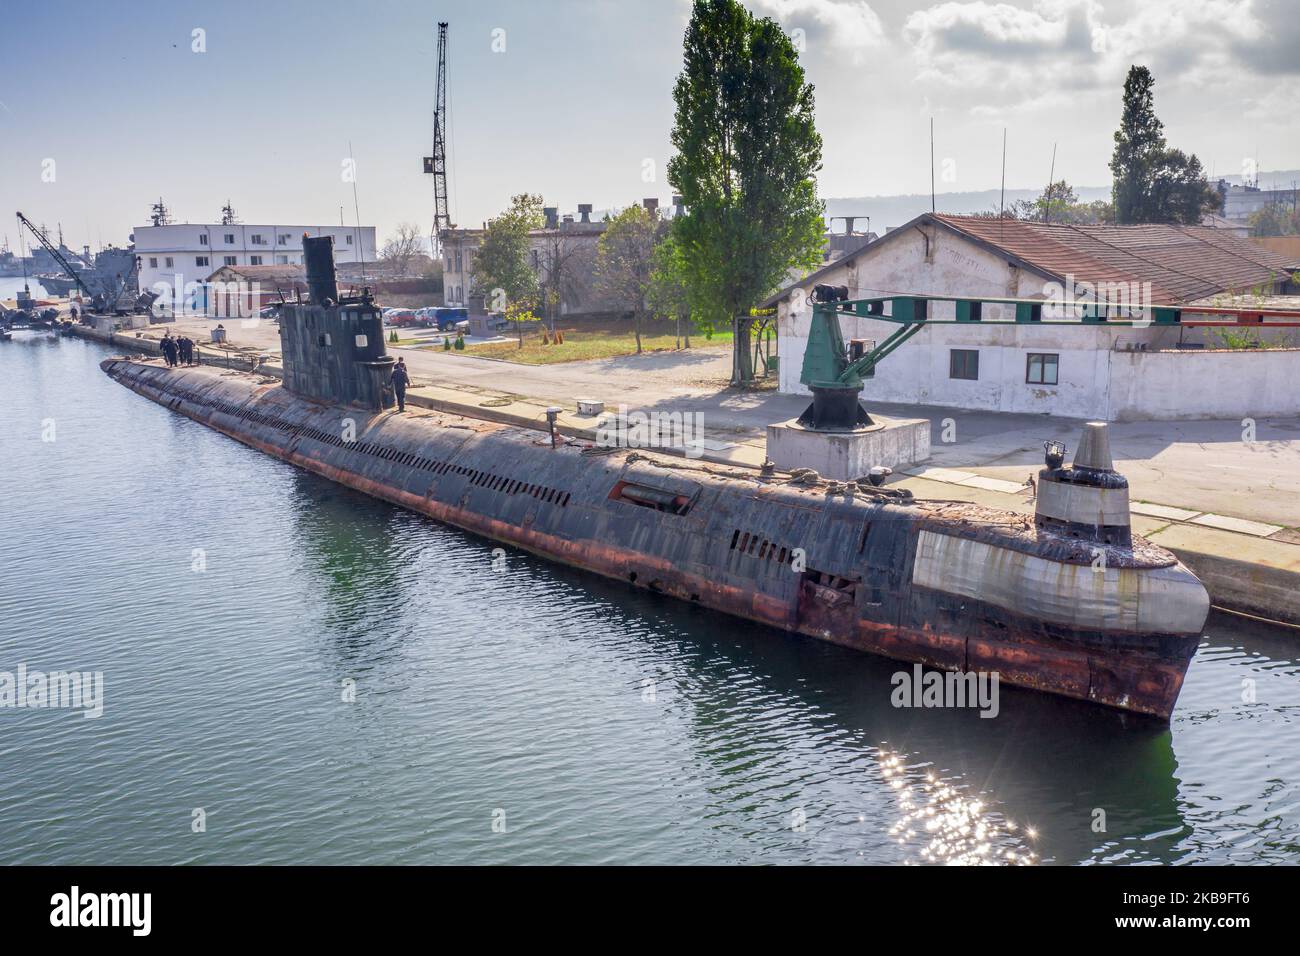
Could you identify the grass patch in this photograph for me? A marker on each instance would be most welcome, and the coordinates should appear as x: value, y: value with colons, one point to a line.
x: 584, y: 344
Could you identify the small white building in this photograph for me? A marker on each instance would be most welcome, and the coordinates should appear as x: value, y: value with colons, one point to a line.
x: 1100, y: 371
x: 173, y: 256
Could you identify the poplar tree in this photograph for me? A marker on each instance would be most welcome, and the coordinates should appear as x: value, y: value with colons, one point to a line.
x: 747, y: 152
x: 1151, y: 182
x: 502, y: 259
x: 625, y: 262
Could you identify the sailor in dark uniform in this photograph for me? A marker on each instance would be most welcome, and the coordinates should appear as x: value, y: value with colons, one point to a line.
x: 400, y: 379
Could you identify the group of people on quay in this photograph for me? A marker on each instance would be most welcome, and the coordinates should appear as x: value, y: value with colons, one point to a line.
x: 178, y: 350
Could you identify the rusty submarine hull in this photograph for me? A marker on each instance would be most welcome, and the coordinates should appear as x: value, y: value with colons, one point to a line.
x: 1078, y: 608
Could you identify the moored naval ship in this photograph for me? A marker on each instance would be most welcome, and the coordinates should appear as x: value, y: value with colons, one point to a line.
x: 1067, y: 601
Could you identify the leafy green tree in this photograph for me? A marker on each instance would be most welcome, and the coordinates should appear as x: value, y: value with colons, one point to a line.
x: 1275, y: 219
x: 1180, y: 191
x: 1058, y: 203
x: 1152, y: 182
x: 502, y: 271
x: 1094, y: 213
x: 625, y: 261
x: 668, y: 293
x: 521, y: 314
x: 1138, y: 143
x: 747, y: 152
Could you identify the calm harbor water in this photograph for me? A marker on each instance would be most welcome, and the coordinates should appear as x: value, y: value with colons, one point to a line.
x: 10, y: 286
x: 598, y: 724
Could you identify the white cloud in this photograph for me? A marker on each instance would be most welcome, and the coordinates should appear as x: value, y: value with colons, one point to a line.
x: 845, y: 24
x: 1051, y: 47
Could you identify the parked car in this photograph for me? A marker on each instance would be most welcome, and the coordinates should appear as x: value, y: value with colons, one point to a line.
x: 447, y: 319
x: 399, y: 318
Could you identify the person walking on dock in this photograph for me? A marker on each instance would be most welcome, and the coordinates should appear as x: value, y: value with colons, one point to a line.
x: 168, y: 347
x: 186, y: 346
x: 399, y: 380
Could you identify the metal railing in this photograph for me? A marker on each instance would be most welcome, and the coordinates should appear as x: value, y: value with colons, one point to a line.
x: 826, y: 360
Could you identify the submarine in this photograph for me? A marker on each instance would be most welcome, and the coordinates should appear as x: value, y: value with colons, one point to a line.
x: 1067, y: 601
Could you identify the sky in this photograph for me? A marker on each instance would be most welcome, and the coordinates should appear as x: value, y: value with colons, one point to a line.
x: 106, y: 106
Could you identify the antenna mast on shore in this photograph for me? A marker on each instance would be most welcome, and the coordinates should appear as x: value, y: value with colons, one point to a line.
x: 436, y: 165
x: 159, y: 214
x: 1047, y: 196
x: 931, y: 164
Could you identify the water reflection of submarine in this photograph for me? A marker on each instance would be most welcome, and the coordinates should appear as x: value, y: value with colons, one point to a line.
x: 1046, y: 762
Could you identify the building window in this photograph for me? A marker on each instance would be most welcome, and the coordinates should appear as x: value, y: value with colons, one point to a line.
x: 254, y: 260
x: 230, y: 260
x: 458, y: 260
x: 153, y: 262
x: 230, y: 238
x: 1041, y: 368
x: 256, y: 239
x: 203, y: 238
x: 284, y: 239
x: 282, y: 260
x: 348, y: 240
x: 200, y: 260
x: 964, y: 363
x: 537, y: 260
x: 169, y: 262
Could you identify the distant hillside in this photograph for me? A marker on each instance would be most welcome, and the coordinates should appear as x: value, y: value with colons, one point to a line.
x: 886, y: 211
x: 1278, y: 179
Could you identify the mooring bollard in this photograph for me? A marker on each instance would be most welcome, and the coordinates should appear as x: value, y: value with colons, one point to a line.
x: 551, y: 413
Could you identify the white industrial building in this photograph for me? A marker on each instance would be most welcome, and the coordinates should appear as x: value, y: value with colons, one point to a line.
x: 174, y: 255
x: 1099, y: 371
x: 1240, y: 202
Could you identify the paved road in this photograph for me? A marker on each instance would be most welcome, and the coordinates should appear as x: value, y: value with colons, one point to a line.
x: 1201, y: 465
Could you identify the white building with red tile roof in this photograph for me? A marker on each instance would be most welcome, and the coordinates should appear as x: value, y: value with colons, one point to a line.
x: 1103, y: 371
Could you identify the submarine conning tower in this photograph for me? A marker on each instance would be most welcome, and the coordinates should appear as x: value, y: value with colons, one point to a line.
x: 333, y: 349
x: 1089, y: 499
